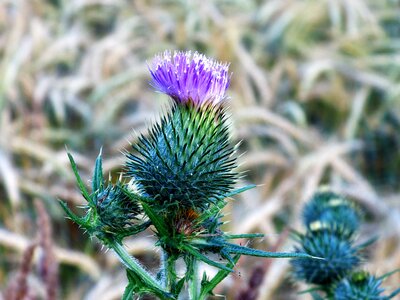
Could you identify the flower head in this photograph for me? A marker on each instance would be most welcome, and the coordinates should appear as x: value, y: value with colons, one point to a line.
x: 339, y: 257
x: 186, y: 160
x: 188, y: 77
x: 333, y: 212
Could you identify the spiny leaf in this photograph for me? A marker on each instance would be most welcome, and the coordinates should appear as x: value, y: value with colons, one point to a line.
x: 81, y: 185
x: 80, y: 221
x: 158, y: 223
x: 208, y: 286
x: 204, y: 258
x: 97, y: 184
x: 176, y: 289
x: 129, y: 292
x: 232, y: 248
x: 243, y: 236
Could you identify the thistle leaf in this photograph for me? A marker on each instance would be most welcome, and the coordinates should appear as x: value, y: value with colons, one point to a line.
x: 204, y: 258
x: 243, y: 236
x: 78, y: 220
x: 79, y: 181
x: 232, y: 248
x: 97, y: 184
x: 129, y: 292
x: 158, y: 223
x: 208, y: 286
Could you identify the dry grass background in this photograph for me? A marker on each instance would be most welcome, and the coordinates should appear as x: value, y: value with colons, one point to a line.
x: 315, y: 98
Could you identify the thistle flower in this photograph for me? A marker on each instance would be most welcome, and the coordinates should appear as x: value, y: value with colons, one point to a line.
x: 180, y: 173
x: 339, y: 257
x: 188, y: 77
x: 187, y: 160
x: 328, y: 210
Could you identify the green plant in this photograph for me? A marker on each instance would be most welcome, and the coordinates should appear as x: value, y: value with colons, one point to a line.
x: 179, y: 176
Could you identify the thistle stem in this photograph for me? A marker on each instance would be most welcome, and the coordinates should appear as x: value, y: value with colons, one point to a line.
x: 132, y: 264
x: 194, y: 287
x: 170, y: 271
x: 164, y: 268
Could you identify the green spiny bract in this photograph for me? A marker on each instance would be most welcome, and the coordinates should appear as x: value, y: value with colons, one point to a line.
x: 330, y: 211
x: 187, y: 160
x: 360, y: 286
x: 339, y: 257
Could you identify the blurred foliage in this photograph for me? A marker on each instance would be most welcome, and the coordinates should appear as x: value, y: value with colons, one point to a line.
x: 314, y: 97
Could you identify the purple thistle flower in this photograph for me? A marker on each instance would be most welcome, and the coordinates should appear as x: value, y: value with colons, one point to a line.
x: 190, y: 78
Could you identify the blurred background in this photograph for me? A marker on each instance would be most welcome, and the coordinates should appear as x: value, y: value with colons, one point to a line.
x: 315, y: 100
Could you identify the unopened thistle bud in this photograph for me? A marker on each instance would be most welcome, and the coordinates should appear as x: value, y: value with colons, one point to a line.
x: 361, y: 286
x: 186, y: 160
x: 111, y: 209
x: 330, y: 211
x: 116, y: 210
x: 339, y: 257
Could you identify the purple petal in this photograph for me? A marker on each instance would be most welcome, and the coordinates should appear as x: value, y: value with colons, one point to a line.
x: 186, y: 77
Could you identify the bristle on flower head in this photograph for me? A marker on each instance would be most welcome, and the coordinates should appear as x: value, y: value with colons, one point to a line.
x: 188, y: 77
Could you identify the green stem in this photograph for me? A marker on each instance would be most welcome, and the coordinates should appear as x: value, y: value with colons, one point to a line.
x: 170, y: 271
x: 133, y: 265
x: 164, y: 268
x: 194, y: 287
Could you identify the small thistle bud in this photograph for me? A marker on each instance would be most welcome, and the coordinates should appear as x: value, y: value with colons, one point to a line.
x: 190, y: 78
x: 339, y: 257
x: 360, y: 286
x: 116, y: 210
x: 187, y: 160
x: 111, y: 209
x: 330, y: 211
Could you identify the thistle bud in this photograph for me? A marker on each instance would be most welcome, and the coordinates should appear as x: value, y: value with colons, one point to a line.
x: 116, y: 210
x: 339, y: 257
x: 111, y: 209
x: 360, y: 286
x: 330, y: 211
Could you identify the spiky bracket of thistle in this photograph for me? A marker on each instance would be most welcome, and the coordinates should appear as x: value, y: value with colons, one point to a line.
x: 182, y: 170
